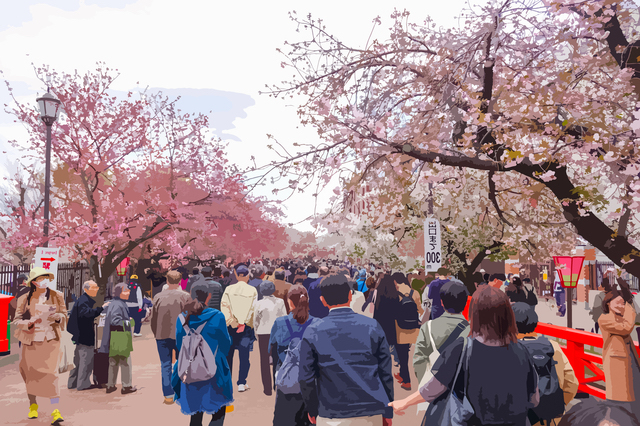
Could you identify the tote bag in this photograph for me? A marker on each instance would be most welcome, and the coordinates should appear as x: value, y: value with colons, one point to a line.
x: 121, y: 342
x: 458, y: 410
x: 67, y: 350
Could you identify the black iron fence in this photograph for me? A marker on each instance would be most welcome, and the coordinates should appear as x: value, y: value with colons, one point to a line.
x: 70, y: 278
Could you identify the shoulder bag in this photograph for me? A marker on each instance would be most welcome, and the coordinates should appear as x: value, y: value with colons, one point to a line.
x: 121, y: 342
x: 458, y: 410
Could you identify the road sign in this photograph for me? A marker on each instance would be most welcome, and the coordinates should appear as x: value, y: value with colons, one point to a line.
x: 47, y: 258
x: 432, y: 247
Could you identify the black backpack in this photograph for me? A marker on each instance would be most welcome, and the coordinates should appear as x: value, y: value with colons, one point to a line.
x: 408, y: 313
x: 551, y: 403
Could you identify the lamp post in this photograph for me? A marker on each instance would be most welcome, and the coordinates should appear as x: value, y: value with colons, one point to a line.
x: 569, y: 268
x: 49, y: 108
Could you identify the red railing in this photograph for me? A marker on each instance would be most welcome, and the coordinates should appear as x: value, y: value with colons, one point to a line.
x: 574, y: 350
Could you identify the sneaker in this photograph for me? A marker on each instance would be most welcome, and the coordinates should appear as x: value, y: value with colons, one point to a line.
x: 57, y: 417
x: 137, y: 334
x: 398, y: 378
x: 168, y: 400
x: 33, y: 411
x: 242, y: 388
x: 406, y: 386
x: 130, y: 389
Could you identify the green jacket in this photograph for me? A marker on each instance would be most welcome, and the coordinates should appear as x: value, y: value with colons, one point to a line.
x: 441, y: 329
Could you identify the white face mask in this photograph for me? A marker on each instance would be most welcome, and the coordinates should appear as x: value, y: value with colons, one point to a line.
x: 43, y: 284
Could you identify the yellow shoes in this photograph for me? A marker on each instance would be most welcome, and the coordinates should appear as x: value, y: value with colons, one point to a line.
x: 33, y: 411
x: 57, y: 417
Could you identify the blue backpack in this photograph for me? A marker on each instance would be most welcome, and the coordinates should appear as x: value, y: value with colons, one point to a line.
x: 288, y: 375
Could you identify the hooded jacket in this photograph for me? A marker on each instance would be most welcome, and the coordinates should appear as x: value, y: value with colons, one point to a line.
x: 210, y: 395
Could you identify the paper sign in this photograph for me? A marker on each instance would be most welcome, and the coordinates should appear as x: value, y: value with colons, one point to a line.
x: 432, y: 248
x: 47, y: 258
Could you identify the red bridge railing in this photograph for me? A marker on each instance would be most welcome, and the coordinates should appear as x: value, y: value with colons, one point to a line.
x: 574, y: 350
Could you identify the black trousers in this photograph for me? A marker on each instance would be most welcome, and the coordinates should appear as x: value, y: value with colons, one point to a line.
x: 216, y: 420
x: 290, y: 410
x: 403, y: 359
x: 265, y: 368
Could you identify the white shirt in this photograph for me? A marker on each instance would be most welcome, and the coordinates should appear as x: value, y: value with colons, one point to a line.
x: 266, y: 312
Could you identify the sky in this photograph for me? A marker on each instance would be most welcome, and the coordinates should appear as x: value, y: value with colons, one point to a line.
x: 216, y: 55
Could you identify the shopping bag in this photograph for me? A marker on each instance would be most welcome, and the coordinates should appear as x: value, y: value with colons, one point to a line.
x: 121, y: 342
x: 67, y: 350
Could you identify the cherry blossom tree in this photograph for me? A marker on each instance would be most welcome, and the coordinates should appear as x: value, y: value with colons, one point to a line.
x: 133, y: 173
x: 540, y: 96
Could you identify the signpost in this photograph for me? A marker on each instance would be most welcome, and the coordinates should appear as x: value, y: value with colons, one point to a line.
x: 47, y: 258
x: 432, y: 247
x: 569, y: 268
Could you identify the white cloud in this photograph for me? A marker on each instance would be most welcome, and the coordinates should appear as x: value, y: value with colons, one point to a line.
x: 213, y: 45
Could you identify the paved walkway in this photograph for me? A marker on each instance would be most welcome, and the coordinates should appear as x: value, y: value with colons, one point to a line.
x: 96, y: 408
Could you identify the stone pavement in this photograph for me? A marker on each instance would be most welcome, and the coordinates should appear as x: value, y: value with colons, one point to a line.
x: 96, y: 408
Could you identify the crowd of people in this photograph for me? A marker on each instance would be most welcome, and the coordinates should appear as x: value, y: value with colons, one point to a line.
x: 330, y: 336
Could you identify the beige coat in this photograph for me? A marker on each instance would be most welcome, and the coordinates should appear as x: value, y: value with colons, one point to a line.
x: 26, y: 336
x: 404, y: 337
x: 238, y: 304
x: 616, y: 359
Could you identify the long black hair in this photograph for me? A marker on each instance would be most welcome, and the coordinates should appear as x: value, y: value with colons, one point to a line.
x: 387, y: 290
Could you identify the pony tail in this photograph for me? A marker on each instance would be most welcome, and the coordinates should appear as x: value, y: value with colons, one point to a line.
x: 193, y: 307
x: 301, y: 311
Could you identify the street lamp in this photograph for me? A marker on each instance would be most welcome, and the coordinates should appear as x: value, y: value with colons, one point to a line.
x: 49, y: 108
x: 569, y: 269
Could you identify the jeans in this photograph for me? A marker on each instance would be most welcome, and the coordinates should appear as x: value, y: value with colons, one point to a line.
x: 560, y: 301
x: 216, y: 420
x: 80, y: 376
x: 165, y: 350
x: 114, y: 363
x: 243, y: 342
x: 403, y: 359
x: 137, y: 316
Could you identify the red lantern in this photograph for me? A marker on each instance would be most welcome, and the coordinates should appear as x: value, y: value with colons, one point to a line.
x: 569, y: 269
x: 121, y: 269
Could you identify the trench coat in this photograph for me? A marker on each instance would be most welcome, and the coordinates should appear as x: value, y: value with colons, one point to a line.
x: 39, y: 359
x: 619, y: 356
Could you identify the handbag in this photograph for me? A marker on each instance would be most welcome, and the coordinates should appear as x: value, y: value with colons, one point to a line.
x: 67, y: 352
x: 458, y: 410
x: 121, y: 342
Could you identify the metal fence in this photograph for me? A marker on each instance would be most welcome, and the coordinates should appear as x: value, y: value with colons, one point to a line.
x: 69, y: 280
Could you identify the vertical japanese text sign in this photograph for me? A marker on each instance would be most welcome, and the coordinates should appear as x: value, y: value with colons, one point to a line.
x: 47, y: 258
x: 432, y: 249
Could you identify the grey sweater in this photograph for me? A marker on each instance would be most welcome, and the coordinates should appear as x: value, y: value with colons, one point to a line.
x: 117, y: 311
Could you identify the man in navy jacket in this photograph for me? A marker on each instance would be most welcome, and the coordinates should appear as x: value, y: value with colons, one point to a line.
x: 345, y: 363
x: 83, y: 335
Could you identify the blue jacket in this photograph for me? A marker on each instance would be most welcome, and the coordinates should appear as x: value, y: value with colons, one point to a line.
x: 281, y: 338
x: 210, y: 395
x: 316, y: 308
x: 345, y: 367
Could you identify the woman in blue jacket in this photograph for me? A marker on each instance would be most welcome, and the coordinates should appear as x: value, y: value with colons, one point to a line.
x: 290, y: 409
x: 214, y: 395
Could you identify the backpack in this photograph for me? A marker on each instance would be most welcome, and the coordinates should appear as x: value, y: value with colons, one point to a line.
x: 196, y: 362
x: 287, y: 376
x: 551, y: 403
x: 408, y: 313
